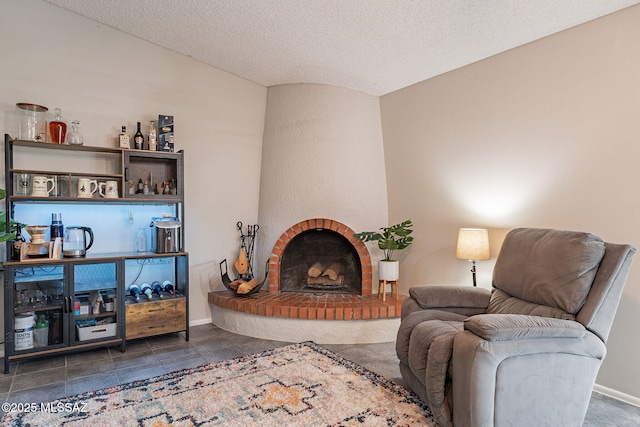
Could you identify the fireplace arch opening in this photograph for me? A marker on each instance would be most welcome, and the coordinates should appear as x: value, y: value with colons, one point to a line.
x: 320, y: 260
x: 320, y: 255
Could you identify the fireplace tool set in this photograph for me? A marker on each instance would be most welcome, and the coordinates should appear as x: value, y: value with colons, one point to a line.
x: 246, y: 283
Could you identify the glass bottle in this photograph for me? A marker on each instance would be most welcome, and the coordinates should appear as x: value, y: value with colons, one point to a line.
x: 167, y: 286
x: 145, y: 288
x: 138, y: 139
x: 57, y: 128
x: 157, y: 289
x: 152, y: 139
x: 134, y: 291
x: 141, y: 240
x: 17, y: 244
x: 75, y: 137
x: 123, y: 138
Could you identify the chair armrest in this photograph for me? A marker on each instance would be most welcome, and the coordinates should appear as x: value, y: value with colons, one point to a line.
x: 512, y: 327
x: 457, y: 299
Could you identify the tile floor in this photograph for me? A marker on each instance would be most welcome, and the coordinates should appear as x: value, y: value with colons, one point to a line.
x: 46, y: 379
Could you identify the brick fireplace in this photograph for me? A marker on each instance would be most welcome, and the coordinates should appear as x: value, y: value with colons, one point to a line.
x: 340, y: 240
x: 274, y: 313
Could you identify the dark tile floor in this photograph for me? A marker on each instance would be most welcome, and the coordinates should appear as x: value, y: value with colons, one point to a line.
x: 46, y: 379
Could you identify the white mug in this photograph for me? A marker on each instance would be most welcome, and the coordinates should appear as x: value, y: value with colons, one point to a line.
x: 40, y: 186
x: 86, y: 187
x: 108, y: 189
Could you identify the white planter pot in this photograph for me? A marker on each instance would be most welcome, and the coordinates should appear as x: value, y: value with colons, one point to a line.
x: 388, y: 270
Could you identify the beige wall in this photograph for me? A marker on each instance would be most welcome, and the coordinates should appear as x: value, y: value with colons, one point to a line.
x: 322, y: 158
x: 106, y: 78
x: 546, y: 135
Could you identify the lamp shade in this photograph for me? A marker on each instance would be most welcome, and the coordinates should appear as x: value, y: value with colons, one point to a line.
x: 473, y: 244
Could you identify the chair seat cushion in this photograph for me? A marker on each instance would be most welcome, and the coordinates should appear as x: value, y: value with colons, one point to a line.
x: 547, y: 267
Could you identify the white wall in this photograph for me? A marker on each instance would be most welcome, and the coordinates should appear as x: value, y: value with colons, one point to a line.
x: 545, y: 135
x: 106, y: 78
x: 322, y: 158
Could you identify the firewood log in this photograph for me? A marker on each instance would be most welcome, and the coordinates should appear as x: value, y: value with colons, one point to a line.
x: 333, y: 270
x: 246, y: 287
x: 315, y: 270
x: 236, y: 284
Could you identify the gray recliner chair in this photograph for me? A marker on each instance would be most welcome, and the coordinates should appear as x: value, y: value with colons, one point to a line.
x: 527, y: 352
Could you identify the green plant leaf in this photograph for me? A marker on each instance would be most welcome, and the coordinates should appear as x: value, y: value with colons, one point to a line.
x: 393, y: 238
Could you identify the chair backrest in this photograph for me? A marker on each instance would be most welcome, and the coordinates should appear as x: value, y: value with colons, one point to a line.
x: 561, y: 274
x: 599, y: 310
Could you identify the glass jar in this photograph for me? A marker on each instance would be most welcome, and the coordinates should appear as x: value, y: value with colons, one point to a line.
x: 75, y: 137
x: 32, y: 121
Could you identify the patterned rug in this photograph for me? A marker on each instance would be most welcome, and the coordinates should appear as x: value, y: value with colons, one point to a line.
x: 297, y: 385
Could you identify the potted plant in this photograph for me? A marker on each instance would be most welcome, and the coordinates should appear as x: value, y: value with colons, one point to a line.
x: 4, y: 236
x: 390, y: 239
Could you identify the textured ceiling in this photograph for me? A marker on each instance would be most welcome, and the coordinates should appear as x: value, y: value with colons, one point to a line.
x: 375, y: 46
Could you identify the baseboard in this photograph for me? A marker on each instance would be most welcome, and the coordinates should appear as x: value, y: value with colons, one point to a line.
x: 615, y: 394
x: 199, y: 322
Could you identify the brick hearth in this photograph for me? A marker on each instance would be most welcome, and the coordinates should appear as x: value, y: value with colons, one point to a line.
x: 310, y: 306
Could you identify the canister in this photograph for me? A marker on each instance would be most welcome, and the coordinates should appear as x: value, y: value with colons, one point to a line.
x: 167, y: 235
x: 23, y: 329
x: 32, y: 121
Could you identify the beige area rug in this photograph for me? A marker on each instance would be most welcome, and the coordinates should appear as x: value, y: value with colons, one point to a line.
x: 297, y: 385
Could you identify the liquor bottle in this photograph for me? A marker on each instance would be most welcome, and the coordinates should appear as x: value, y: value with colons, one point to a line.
x: 140, y: 186
x: 16, y: 247
x: 57, y: 128
x: 57, y: 229
x: 124, y: 139
x: 138, y: 139
x: 152, y: 140
x: 167, y: 286
x: 146, y: 289
x: 157, y: 289
x: 134, y: 291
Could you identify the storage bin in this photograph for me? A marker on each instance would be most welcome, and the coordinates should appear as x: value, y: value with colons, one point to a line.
x: 96, y: 332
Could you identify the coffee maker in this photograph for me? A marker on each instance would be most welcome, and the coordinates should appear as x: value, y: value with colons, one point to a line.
x: 37, y: 247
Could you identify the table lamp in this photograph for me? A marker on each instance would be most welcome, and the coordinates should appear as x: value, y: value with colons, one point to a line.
x: 473, y: 245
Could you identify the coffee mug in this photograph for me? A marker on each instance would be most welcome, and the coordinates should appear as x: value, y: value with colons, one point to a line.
x: 23, y: 184
x: 40, y: 186
x: 86, y: 187
x: 108, y: 189
x: 62, y: 186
